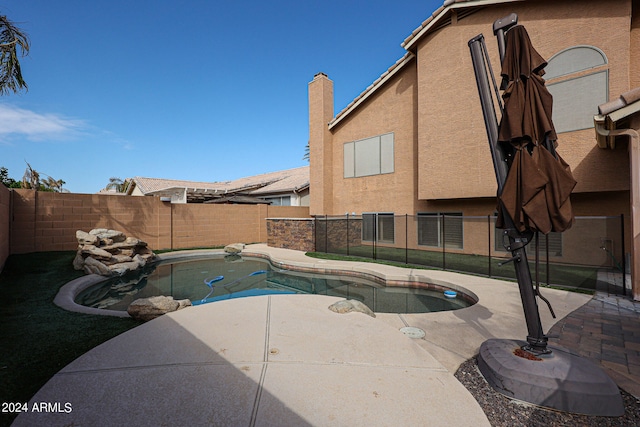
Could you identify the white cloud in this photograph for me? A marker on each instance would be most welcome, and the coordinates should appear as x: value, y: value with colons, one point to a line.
x: 16, y: 121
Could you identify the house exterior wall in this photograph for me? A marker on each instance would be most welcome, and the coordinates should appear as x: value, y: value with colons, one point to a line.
x: 442, y: 159
x: 391, y: 110
x: 634, y: 48
x: 45, y: 221
x: 446, y: 84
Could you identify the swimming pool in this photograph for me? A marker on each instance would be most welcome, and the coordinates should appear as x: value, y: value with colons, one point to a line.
x: 225, y: 277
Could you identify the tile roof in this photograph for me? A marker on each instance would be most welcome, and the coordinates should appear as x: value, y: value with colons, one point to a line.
x: 613, y: 119
x: 289, y: 180
x: 154, y: 185
x: 622, y: 101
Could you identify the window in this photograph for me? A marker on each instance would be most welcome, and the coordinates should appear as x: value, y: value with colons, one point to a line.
x: 378, y: 227
x: 555, y: 243
x: 279, y: 201
x: 437, y: 228
x: 371, y: 156
x: 582, y: 84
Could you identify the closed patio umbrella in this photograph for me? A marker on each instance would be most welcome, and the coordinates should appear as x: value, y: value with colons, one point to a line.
x: 539, y: 183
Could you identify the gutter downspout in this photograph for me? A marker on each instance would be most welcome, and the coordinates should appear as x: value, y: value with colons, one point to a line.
x: 634, y: 166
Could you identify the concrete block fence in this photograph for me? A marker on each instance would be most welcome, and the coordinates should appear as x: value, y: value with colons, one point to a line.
x: 35, y: 221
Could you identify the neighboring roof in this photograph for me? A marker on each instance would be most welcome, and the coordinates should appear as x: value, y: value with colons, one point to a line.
x: 613, y: 116
x: 242, y: 200
x: 154, y: 185
x: 441, y: 17
x: 290, y: 180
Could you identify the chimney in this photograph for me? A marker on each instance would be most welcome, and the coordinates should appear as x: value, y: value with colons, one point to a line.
x: 320, y: 145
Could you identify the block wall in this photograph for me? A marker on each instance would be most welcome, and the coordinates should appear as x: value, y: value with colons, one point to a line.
x: 5, y: 221
x: 49, y: 221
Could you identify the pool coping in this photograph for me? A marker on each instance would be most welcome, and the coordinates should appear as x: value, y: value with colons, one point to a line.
x: 386, y: 275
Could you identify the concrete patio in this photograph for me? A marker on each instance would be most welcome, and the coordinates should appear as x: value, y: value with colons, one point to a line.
x: 288, y: 360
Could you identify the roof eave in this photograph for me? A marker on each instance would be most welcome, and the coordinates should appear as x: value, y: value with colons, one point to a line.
x: 410, y: 42
x: 372, y: 89
x: 606, y: 125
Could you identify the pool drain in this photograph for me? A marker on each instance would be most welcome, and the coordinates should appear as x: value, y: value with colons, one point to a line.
x: 413, y: 332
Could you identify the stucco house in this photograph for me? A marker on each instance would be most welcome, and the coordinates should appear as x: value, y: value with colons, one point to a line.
x: 414, y: 141
x: 288, y: 187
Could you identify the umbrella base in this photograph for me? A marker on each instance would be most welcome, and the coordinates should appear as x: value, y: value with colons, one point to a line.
x: 559, y: 380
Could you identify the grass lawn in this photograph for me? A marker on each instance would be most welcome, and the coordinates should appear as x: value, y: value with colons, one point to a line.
x: 38, y: 338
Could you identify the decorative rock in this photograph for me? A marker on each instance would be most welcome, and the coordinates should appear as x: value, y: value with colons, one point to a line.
x: 93, y: 266
x: 347, y: 306
x: 78, y: 261
x: 132, y: 241
x: 95, y: 252
x: 110, y: 252
x: 184, y: 303
x: 85, y: 238
x: 118, y: 258
x: 103, y: 233
x: 124, y: 267
x: 234, y: 248
x: 140, y: 260
x: 149, y: 308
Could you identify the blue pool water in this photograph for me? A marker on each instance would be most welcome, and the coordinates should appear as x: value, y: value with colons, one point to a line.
x: 214, y: 279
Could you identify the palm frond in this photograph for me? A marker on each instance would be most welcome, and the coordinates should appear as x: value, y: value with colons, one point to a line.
x: 11, y: 38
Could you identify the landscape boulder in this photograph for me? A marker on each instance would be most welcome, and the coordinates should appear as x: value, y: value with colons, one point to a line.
x: 110, y: 252
x: 146, y: 309
x: 234, y: 248
x: 351, y: 305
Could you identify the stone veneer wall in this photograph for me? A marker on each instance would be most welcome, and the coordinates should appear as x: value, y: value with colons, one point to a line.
x: 291, y: 233
x: 336, y: 234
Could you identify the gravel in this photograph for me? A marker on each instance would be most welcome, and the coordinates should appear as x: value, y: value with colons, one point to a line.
x: 505, y: 412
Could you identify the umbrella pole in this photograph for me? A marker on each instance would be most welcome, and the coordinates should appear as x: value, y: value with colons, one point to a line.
x: 558, y: 379
x: 536, y: 339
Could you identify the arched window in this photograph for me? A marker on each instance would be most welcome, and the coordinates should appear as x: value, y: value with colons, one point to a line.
x: 578, y: 79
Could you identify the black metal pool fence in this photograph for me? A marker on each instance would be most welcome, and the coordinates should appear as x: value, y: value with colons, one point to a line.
x: 589, y: 254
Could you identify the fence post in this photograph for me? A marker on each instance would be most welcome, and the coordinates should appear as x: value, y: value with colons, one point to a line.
x: 624, y: 257
x: 375, y: 235
x: 347, y: 233
x: 489, y: 241
x: 546, y: 244
x: 406, y: 238
x: 326, y: 234
x: 444, y: 262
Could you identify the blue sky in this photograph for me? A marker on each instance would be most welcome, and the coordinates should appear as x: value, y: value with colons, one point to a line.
x: 195, y: 90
